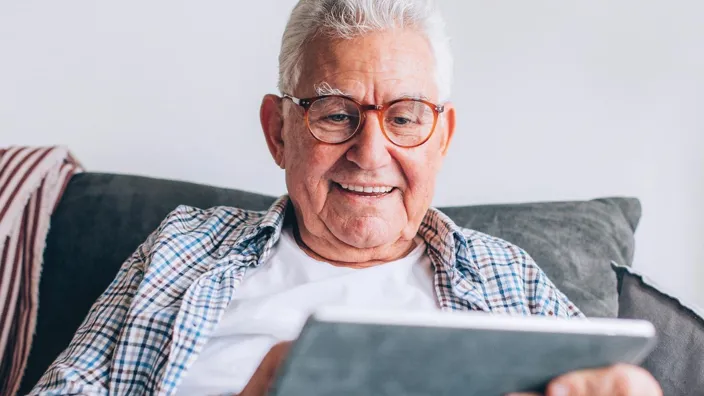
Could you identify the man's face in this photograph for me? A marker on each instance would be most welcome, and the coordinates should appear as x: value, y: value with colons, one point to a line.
x: 372, y: 69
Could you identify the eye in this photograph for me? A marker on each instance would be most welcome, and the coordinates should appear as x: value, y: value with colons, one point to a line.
x: 338, y: 118
x: 401, y: 120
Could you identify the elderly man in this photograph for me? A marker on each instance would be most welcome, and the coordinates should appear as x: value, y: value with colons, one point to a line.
x: 208, y: 303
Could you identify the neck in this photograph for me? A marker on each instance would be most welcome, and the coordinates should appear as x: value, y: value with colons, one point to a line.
x: 349, y: 256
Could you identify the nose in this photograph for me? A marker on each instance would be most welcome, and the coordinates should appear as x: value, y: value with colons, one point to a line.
x: 369, y: 148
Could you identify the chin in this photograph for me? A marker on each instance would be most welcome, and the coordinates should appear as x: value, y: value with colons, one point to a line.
x: 366, y: 233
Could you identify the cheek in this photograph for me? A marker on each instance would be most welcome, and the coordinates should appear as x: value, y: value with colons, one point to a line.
x: 420, y: 170
x: 314, y: 162
x: 308, y: 163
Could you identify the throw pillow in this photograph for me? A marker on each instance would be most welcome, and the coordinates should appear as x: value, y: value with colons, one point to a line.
x: 677, y: 362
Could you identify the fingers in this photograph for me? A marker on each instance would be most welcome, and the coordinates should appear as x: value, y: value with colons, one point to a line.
x: 618, y: 380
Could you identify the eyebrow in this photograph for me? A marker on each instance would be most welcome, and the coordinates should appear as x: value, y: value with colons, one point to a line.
x: 418, y: 96
x: 323, y: 88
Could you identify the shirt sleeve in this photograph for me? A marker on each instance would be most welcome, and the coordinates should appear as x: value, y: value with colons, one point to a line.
x: 83, y: 367
x: 543, y: 296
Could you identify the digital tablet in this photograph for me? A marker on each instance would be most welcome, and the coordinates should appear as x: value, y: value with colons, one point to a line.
x: 370, y: 352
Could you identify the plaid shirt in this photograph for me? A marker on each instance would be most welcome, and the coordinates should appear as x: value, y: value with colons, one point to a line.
x: 150, y: 324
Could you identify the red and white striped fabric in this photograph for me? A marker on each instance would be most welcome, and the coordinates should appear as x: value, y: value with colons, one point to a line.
x: 32, y: 180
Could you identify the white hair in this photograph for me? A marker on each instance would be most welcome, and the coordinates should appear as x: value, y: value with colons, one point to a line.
x: 350, y: 18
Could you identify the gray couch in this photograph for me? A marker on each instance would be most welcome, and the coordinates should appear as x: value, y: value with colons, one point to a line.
x: 103, y: 217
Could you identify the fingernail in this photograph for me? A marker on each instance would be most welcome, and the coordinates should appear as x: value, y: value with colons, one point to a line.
x: 559, y: 390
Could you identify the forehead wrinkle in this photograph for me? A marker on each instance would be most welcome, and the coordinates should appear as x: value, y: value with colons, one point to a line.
x: 358, y: 68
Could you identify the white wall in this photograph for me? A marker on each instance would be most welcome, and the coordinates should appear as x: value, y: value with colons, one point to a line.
x: 558, y: 100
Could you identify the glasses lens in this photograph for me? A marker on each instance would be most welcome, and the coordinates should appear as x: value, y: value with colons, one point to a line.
x: 409, y: 122
x: 333, y: 119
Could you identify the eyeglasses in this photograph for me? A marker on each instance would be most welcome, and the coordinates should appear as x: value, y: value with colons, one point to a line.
x: 336, y: 119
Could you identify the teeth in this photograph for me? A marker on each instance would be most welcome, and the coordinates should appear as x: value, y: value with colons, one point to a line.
x: 368, y: 189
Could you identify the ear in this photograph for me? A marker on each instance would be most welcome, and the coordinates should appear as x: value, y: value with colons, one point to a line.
x: 448, y: 126
x: 271, y: 118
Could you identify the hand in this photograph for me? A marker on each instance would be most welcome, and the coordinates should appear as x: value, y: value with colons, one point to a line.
x: 618, y: 380
x: 262, y: 379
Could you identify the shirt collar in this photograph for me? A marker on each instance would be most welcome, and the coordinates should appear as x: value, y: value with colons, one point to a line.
x: 444, y: 238
x: 251, y: 243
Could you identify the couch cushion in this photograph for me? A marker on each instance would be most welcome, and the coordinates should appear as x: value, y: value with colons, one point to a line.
x: 102, y: 218
x: 677, y: 362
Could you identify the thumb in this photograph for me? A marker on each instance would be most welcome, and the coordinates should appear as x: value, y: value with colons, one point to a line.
x: 273, y: 360
x: 263, y: 377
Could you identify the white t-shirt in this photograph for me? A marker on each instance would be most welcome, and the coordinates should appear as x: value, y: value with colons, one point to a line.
x: 274, y: 300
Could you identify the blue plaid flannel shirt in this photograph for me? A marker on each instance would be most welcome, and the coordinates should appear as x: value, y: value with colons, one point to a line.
x: 148, y: 327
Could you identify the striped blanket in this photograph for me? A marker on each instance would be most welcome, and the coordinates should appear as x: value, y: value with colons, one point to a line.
x: 31, y: 183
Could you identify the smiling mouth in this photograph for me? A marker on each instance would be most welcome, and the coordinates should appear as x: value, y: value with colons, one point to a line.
x: 369, y: 191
